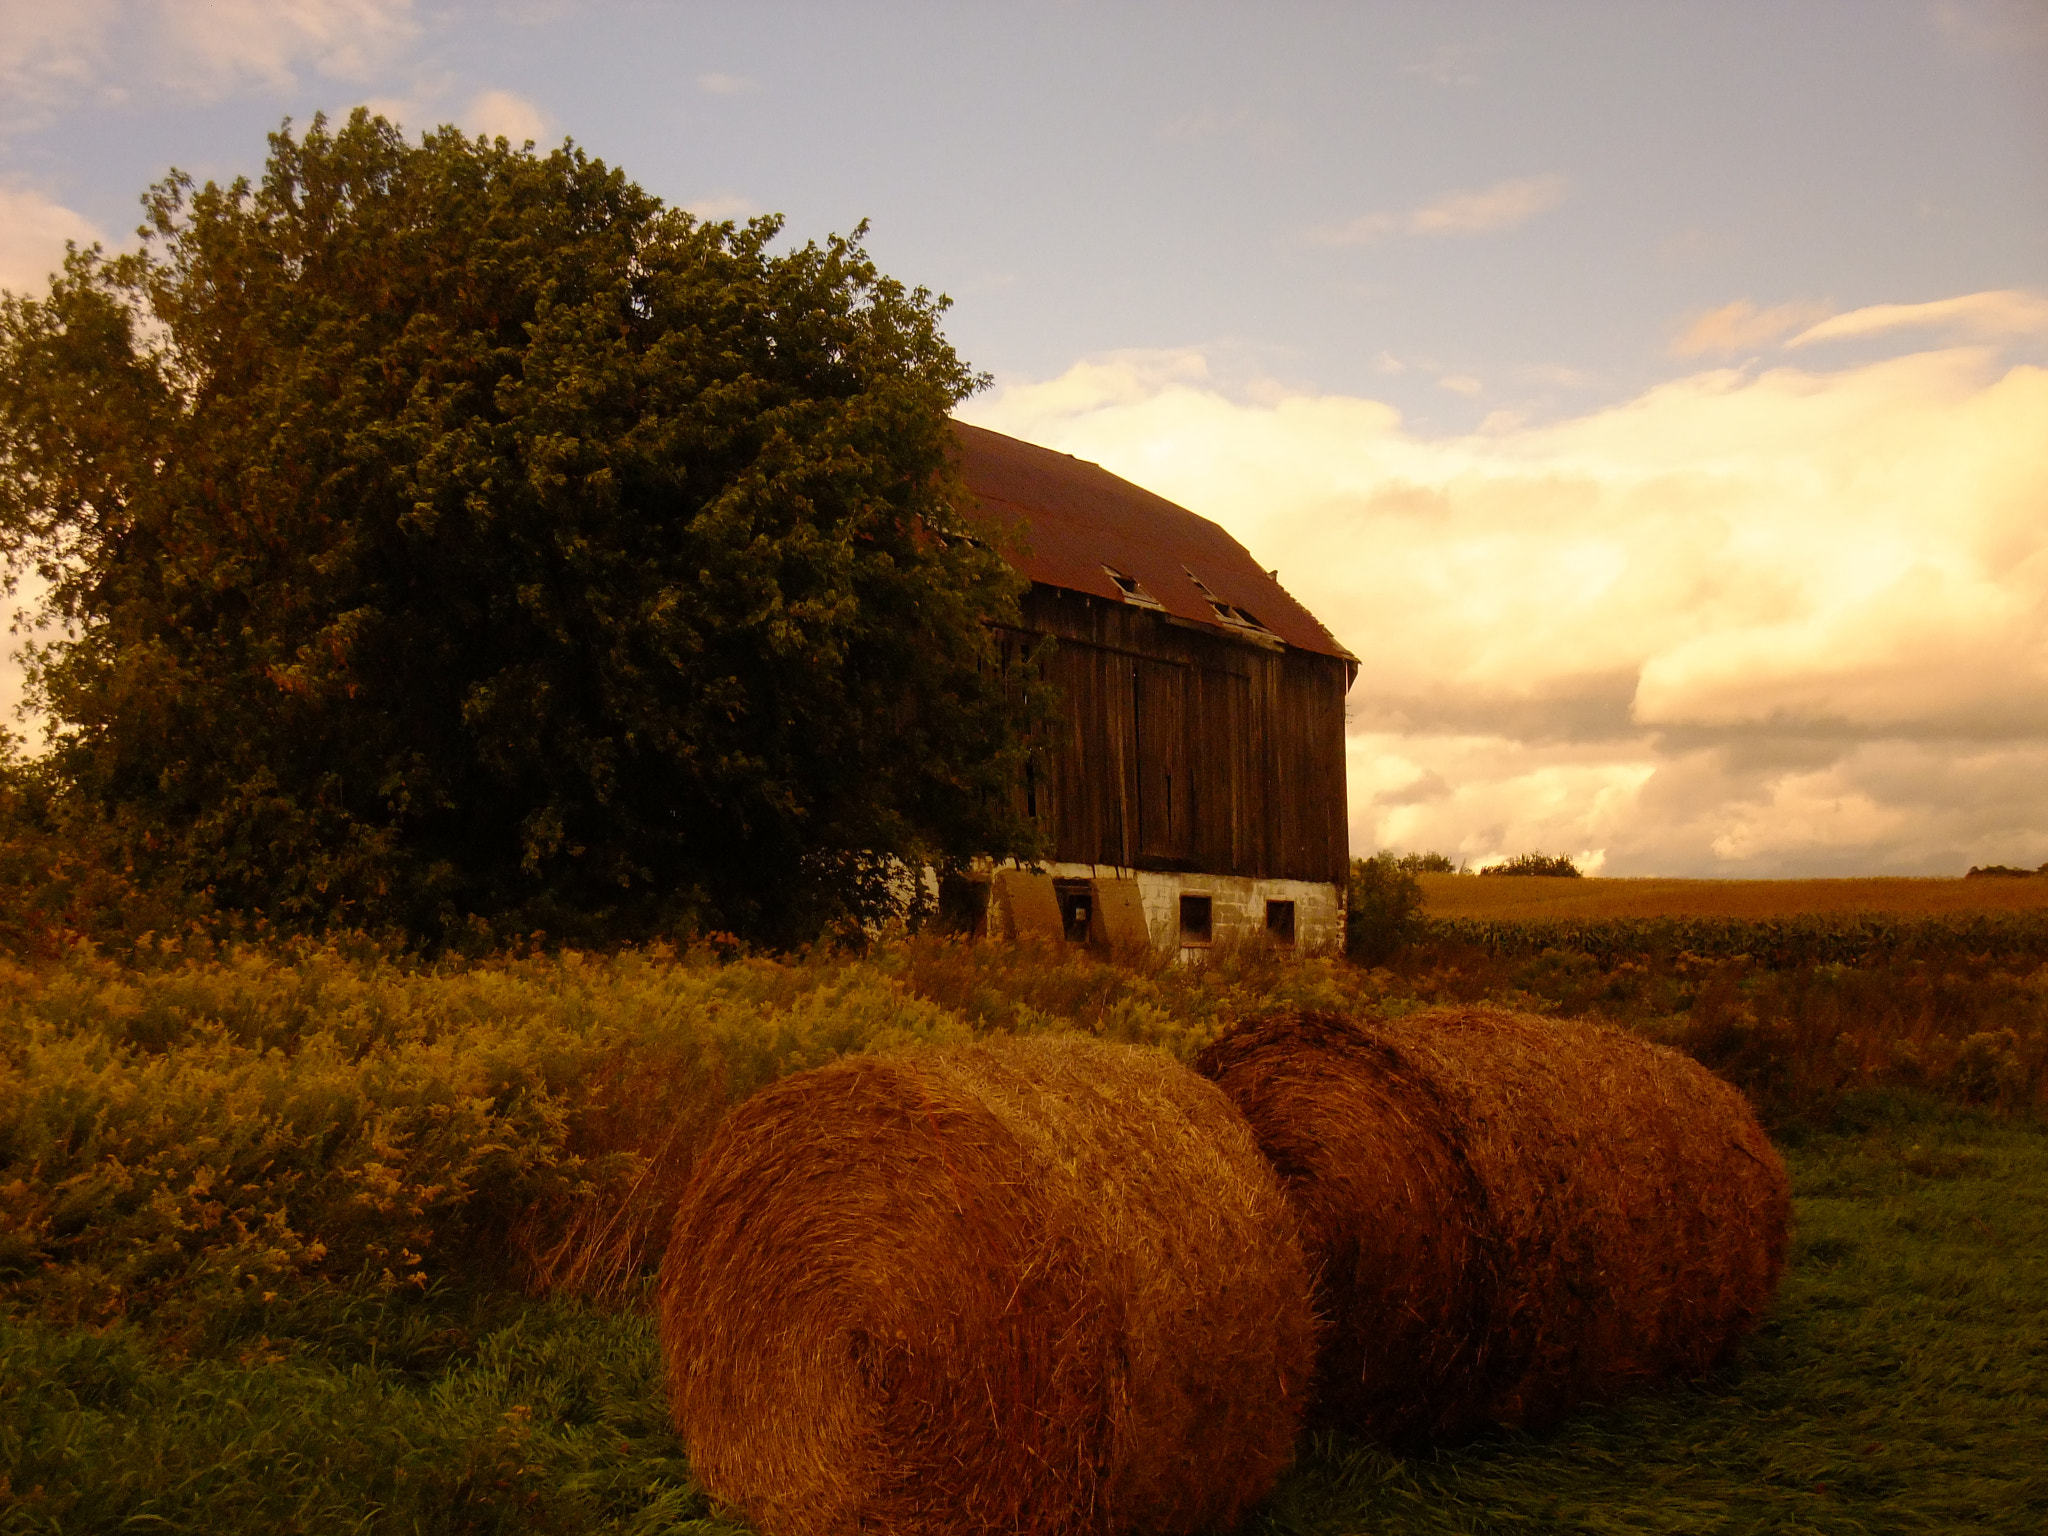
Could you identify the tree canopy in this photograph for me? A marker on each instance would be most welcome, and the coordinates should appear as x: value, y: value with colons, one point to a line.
x: 451, y: 533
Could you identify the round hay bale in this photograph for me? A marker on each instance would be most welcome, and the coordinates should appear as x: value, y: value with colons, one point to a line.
x: 1509, y: 1215
x: 1042, y: 1286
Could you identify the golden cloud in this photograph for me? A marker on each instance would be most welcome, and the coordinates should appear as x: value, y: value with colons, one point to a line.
x: 33, y: 229
x: 1484, y: 211
x: 504, y: 115
x: 1763, y: 586
x: 1741, y: 327
x: 1998, y: 313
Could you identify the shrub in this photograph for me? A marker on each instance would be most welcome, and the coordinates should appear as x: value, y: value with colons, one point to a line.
x: 1383, y: 909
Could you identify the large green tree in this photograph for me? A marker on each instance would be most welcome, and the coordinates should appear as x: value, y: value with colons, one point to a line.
x: 448, y: 531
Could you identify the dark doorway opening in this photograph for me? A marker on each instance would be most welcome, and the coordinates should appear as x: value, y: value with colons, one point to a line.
x: 1077, y: 908
x: 1280, y: 923
x: 1197, y: 917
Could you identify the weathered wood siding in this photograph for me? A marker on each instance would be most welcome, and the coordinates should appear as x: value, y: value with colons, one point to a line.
x: 1187, y: 749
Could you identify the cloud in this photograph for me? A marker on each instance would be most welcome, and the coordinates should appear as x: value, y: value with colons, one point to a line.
x: 1745, y: 622
x: 33, y: 230
x: 502, y: 115
x: 1995, y: 314
x: 715, y: 84
x: 400, y: 111
x: 720, y: 206
x: 1504, y: 205
x: 53, y: 54
x: 48, y: 54
x: 1741, y: 327
x: 228, y: 43
x: 2004, y: 27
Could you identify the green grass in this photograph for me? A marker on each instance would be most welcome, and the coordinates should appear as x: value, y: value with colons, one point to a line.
x: 549, y: 1421
x: 1901, y: 1385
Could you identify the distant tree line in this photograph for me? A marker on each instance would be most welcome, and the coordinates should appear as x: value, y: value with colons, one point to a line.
x: 1550, y: 865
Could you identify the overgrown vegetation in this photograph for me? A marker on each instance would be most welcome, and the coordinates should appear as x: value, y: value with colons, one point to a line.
x: 289, y: 1229
x: 1797, y: 1009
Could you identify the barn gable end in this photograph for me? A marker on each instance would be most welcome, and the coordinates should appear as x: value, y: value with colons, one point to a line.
x: 1202, y: 754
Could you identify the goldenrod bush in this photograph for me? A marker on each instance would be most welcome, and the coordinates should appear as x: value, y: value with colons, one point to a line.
x: 184, y: 1122
x: 256, y: 1120
x: 192, y: 1120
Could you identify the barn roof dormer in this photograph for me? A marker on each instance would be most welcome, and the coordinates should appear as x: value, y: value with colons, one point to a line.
x: 1067, y: 523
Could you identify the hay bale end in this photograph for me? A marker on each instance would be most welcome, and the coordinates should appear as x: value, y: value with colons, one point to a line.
x: 1043, y: 1286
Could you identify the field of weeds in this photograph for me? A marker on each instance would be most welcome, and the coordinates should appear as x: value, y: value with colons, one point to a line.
x: 1797, y: 998
x: 318, y: 1237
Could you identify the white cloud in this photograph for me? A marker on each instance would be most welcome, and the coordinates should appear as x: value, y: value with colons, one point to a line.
x: 1744, y: 622
x: 716, y: 84
x: 1995, y: 314
x: 223, y: 44
x: 1502, y: 206
x: 502, y: 115
x: 48, y: 53
x: 54, y: 53
x: 33, y: 230
x: 400, y: 111
x: 720, y: 206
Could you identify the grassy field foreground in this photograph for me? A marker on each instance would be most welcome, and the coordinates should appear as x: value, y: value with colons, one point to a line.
x: 285, y: 1242
x: 1902, y: 1385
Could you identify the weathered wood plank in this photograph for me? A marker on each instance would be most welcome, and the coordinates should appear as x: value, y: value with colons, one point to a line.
x: 1186, y: 748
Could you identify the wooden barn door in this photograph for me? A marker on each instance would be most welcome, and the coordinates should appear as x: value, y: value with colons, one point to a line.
x: 1160, y: 703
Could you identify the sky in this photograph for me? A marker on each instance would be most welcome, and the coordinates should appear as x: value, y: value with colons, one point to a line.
x: 1653, y: 396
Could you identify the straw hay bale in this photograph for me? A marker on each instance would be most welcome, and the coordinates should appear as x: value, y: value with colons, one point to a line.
x: 1043, y: 1286
x: 1510, y: 1215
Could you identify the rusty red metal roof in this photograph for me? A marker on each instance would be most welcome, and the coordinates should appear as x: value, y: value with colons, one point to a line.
x: 1069, y: 523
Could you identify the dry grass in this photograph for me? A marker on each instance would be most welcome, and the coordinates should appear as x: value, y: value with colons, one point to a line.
x: 1510, y: 1215
x: 1046, y: 1286
x: 1465, y: 896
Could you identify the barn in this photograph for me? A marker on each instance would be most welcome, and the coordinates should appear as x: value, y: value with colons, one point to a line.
x: 1195, y: 793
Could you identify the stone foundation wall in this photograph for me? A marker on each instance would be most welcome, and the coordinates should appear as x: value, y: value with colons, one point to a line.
x: 1237, y: 907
